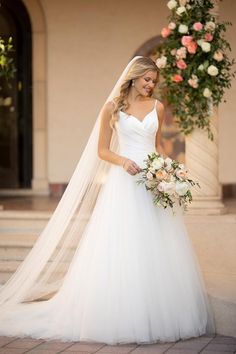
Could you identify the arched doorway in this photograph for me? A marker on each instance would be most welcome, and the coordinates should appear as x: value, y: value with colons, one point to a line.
x: 16, y: 100
x: 172, y: 139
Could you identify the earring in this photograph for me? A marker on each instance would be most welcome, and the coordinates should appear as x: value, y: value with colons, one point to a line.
x: 132, y: 82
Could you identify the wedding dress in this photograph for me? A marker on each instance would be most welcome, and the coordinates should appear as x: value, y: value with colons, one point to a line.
x: 134, y: 277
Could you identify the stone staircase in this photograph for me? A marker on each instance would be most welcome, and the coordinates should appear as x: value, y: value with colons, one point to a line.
x: 18, y: 233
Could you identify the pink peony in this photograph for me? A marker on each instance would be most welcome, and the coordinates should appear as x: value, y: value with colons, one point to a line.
x: 177, y: 78
x: 165, y: 32
x: 181, y: 64
x: 197, y: 26
x: 181, y: 53
x: 186, y: 40
x: 192, y: 47
x: 208, y: 37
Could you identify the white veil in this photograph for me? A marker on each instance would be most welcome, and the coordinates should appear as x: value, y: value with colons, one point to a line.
x: 41, y: 273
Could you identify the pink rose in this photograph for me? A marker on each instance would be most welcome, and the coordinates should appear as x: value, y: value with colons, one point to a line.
x: 165, y: 32
x: 186, y: 40
x: 208, y: 37
x: 177, y: 78
x: 193, y: 81
x: 192, y: 47
x: 197, y: 26
x: 181, y: 64
x: 181, y: 53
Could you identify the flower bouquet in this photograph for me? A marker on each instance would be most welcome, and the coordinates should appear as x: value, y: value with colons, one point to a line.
x: 167, y: 180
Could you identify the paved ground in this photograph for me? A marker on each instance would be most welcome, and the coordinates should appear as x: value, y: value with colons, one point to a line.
x: 205, y: 344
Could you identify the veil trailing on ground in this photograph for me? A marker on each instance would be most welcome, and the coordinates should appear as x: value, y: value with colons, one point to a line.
x: 42, y: 272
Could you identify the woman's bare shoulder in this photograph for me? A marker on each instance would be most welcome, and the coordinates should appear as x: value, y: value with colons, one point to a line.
x: 109, y: 106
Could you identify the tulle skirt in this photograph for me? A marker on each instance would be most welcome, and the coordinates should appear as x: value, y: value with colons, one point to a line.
x: 134, y: 277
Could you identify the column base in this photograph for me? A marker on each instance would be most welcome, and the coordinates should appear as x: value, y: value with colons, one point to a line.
x: 40, y: 186
x: 207, y: 206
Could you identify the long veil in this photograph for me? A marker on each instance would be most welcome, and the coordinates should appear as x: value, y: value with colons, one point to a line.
x: 42, y: 272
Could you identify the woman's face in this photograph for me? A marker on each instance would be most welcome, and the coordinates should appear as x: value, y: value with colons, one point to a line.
x: 146, y: 83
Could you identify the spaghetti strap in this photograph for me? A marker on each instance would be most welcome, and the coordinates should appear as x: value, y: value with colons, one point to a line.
x: 155, y: 103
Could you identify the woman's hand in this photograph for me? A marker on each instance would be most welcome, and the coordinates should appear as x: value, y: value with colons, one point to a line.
x: 131, y: 167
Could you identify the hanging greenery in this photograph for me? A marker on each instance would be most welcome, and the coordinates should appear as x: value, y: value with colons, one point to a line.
x: 193, y: 62
x: 7, y: 67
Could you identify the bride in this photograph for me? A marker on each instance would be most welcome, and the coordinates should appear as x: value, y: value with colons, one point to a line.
x: 110, y: 266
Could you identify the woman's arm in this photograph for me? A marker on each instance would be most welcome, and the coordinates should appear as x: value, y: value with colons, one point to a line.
x: 105, y: 135
x: 160, y: 114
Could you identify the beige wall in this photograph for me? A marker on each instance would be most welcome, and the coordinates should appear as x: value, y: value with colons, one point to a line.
x: 227, y: 131
x: 88, y: 44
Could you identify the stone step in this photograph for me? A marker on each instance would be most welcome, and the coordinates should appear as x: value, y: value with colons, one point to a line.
x: 23, y: 220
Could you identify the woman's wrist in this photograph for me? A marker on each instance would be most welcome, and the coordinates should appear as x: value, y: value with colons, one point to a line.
x: 124, y: 162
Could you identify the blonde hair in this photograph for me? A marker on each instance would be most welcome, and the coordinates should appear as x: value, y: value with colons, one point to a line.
x: 138, y: 69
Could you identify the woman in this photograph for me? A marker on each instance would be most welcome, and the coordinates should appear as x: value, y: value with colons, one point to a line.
x: 127, y: 273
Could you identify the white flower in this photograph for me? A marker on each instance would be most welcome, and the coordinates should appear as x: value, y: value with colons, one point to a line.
x: 172, y: 4
x: 183, y: 29
x: 213, y: 70
x: 206, y: 47
x: 207, y: 93
x: 149, y: 184
x: 210, y: 26
x: 181, y: 166
x: 149, y: 176
x: 169, y: 187
x: 158, y: 163
x: 180, y: 10
x: 172, y: 25
x: 181, y: 188
x: 161, y: 62
x: 200, y: 41
x: 201, y: 67
x: 168, y: 162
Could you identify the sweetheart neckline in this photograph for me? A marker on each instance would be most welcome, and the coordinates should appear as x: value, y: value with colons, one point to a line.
x: 139, y: 120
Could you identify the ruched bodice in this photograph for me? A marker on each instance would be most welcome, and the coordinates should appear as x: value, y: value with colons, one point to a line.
x: 137, y: 137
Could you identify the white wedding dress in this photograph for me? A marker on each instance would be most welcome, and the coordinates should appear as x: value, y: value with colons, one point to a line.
x: 135, y: 277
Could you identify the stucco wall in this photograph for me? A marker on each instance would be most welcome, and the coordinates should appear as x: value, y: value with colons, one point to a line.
x: 227, y: 111
x: 89, y: 43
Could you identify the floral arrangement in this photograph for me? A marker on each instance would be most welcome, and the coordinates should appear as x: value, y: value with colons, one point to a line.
x: 168, y: 181
x: 7, y: 67
x: 193, y: 63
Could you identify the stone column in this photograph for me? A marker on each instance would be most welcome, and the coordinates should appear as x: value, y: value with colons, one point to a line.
x: 202, y: 159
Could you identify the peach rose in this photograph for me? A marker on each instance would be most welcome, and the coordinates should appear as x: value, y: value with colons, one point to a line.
x: 197, y: 26
x: 165, y: 32
x: 177, y: 78
x: 181, y: 174
x: 192, y: 47
x: 161, y: 174
x: 181, y: 64
x: 218, y: 55
x: 208, y: 37
x: 186, y: 40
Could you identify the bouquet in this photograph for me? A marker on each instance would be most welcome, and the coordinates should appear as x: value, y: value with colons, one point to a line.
x: 167, y: 180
